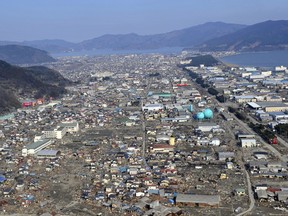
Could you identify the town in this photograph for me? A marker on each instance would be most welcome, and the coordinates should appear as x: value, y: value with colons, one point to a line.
x: 149, y: 134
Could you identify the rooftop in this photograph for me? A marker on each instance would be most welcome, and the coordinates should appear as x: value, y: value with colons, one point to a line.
x: 37, y: 144
x: 271, y: 104
x: 193, y: 198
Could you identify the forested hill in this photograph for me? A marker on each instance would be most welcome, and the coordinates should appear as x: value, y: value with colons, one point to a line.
x: 269, y: 35
x: 34, y: 82
x: 16, y: 54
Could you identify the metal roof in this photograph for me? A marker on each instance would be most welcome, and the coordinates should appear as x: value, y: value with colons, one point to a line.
x: 47, y: 152
x: 37, y: 144
x: 193, y: 198
x: 253, y: 105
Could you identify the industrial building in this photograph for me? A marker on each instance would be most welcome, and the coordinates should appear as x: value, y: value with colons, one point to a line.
x: 35, y: 147
x: 198, y: 200
x: 248, y: 142
x: 48, y: 153
x: 272, y: 106
x: 245, y: 98
x: 207, y: 126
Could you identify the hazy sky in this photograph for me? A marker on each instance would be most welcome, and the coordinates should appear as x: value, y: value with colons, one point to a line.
x: 76, y: 20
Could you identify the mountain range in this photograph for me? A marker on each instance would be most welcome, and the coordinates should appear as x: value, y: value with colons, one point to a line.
x: 179, y: 38
x: 212, y: 36
x: 265, y: 36
x: 187, y: 37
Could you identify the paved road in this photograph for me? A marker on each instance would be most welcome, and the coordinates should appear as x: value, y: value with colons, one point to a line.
x: 143, y: 120
x: 250, y: 194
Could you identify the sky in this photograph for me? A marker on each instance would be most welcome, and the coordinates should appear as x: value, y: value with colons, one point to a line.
x: 77, y: 20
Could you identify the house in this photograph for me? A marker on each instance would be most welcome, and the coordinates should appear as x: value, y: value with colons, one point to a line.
x: 229, y: 165
x: 8, y: 191
x: 260, y: 155
x: 240, y: 192
x: 261, y: 194
x: 162, y: 137
x: 215, y: 141
x: 223, y: 156
x: 162, y: 148
x: 152, y: 107
x: 133, y: 170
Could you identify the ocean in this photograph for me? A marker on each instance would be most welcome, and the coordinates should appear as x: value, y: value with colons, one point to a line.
x: 258, y: 59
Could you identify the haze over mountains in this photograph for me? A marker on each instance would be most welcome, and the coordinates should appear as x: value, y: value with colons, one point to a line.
x: 187, y: 37
x: 269, y: 35
x: 212, y: 36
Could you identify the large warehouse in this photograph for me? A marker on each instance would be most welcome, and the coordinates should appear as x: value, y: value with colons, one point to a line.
x: 269, y: 106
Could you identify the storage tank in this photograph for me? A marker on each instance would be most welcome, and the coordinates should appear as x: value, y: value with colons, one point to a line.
x: 208, y: 113
x: 172, y: 141
x: 200, y: 115
x: 190, y: 108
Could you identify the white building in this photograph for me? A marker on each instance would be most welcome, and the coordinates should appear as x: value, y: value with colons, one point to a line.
x: 152, y: 107
x: 35, y: 147
x: 280, y: 68
x: 215, y: 142
x: 70, y: 126
x: 57, y: 133
x: 61, y: 130
x: 1, y: 134
x: 248, y: 142
x: 207, y: 127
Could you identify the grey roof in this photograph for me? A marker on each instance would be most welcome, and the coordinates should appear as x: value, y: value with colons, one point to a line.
x: 202, y: 199
x: 226, y: 154
x: 262, y: 194
x: 37, y: 144
x: 282, y: 195
x: 68, y: 124
x: 271, y: 104
x: 207, y: 124
x: 254, y: 105
x: 245, y: 97
x: 47, y: 152
x: 257, y: 163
